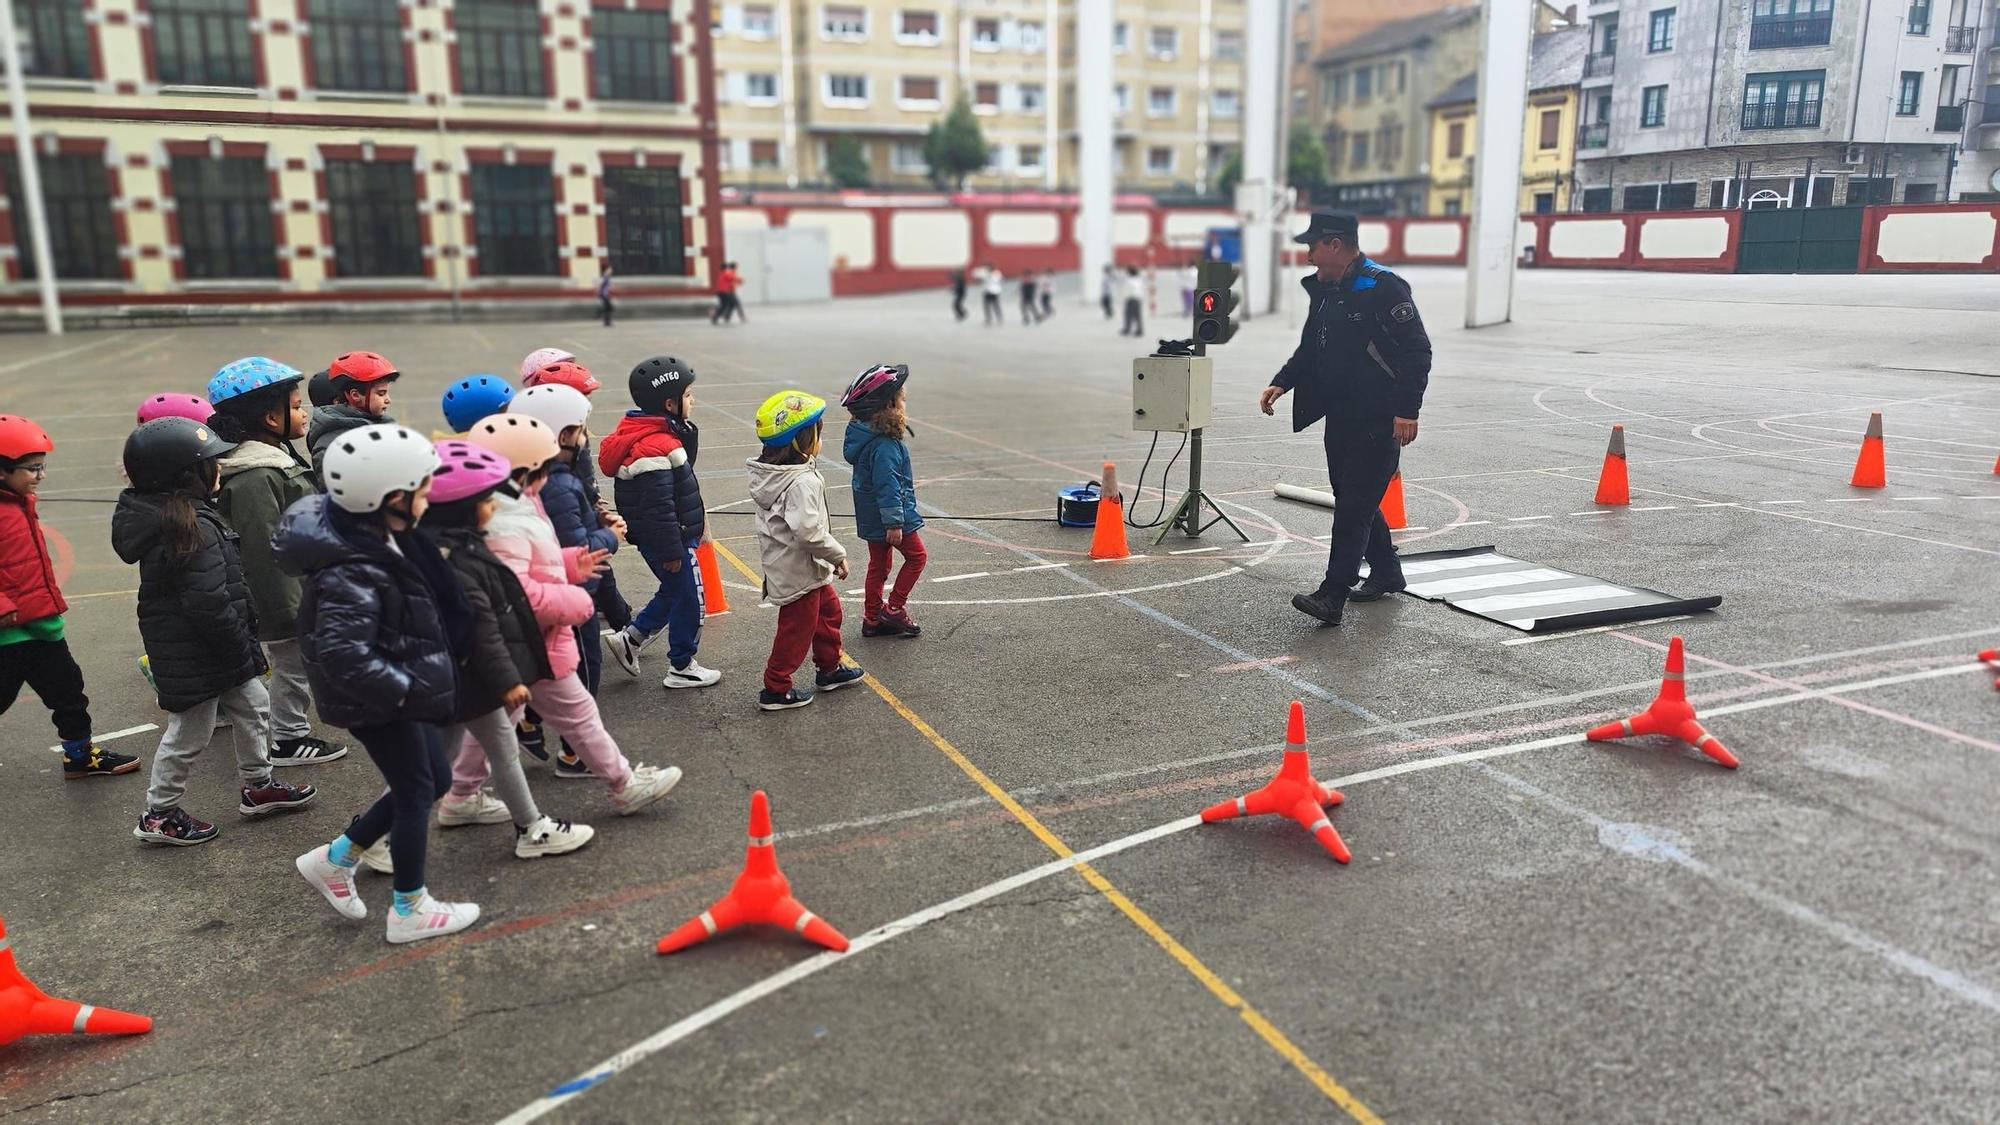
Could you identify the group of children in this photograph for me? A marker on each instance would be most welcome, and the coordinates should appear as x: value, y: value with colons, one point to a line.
x: 439, y: 598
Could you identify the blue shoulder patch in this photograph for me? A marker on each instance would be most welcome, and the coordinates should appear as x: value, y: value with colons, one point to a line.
x: 1364, y: 283
x: 1369, y: 272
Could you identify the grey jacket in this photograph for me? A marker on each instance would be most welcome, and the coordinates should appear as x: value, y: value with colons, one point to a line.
x: 794, y: 537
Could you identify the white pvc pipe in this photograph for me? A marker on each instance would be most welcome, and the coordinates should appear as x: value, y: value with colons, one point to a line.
x: 1305, y: 495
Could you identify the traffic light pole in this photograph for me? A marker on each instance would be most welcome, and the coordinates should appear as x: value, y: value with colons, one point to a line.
x: 1187, y: 513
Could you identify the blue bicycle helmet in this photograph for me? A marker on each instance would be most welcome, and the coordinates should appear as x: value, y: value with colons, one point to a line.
x: 251, y: 373
x: 475, y: 397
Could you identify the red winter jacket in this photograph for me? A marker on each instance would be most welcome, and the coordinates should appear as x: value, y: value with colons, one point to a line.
x: 27, y: 574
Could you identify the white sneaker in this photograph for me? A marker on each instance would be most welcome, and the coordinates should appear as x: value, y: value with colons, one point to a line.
x: 430, y: 919
x: 624, y: 649
x: 375, y: 857
x: 648, y: 784
x: 692, y: 676
x: 332, y: 881
x: 480, y: 808
x: 549, y: 836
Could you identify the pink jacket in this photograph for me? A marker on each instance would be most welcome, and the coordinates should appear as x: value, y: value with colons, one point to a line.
x: 522, y: 536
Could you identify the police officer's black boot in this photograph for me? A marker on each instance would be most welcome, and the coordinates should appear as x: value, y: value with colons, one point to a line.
x: 1321, y: 605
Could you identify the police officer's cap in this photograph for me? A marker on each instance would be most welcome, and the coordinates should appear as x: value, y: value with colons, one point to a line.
x: 1331, y: 224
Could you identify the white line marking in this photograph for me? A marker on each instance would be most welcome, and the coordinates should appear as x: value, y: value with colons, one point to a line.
x: 1194, y: 550
x: 1470, y: 523
x: 1525, y: 519
x: 1408, y: 529
x: 1593, y: 512
x: 142, y: 728
x: 1040, y: 566
x: 1328, y: 535
x: 1717, y: 504
x: 1849, y: 499
x: 1657, y: 508
x: 963, y: 577
x: 1916, y: 498
x: 1599, y: 629
x: 1781, y: 501
x: 1995, y: 497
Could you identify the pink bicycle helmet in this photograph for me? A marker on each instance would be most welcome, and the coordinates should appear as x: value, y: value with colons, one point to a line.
x: 192, y: 407
x: 875, y: 386
x: 466, y: 470
x: 540, y: 358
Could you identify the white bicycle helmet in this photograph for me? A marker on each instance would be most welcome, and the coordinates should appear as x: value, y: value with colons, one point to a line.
x: 364, y: 465
x: 525, y: 441
x: 559, y: 407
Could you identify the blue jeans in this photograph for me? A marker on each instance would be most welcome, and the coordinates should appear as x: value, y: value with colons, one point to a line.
x: 676, y: 607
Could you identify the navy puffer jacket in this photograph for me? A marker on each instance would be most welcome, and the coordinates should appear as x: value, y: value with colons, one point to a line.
x: 194, y: 614
x: 567, y: 500
x: 651, y: 460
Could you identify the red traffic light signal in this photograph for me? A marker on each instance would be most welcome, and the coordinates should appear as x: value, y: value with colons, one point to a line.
x: 1209, y: 301
x: 1214, y: 300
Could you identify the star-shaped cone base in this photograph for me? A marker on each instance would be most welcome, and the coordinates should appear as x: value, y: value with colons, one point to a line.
x: 27, y: 1010
x: 1670, y: 714
x: 1293, y: 793
x: 760, y: 894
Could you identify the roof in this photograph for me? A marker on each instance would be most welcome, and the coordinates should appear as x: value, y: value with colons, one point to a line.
x: 1401, y: 33
x: 1461, y: 92
x: 1555, y: 60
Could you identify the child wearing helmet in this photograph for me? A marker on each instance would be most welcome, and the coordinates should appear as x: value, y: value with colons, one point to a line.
x: 552, y: 577
x: 535, y: 360
x: 380, y: 618
x: 359, y: 384
x: 650, y: 456
x: 33, y: 650
x: 800, y: 556
x: 505, y: 655
x: 258, y: 406
x: 198, y: 624
x: 885, y: 496
x: 470, y: 399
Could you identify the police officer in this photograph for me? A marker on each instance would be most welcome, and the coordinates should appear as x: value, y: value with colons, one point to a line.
x: 1362, y: 364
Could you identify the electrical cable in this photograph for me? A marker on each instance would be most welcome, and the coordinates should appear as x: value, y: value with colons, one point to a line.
x: 1139, y: 489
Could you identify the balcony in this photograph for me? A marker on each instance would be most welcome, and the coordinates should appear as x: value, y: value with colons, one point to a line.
x: 1782, y: 115
x: 1961, y: 40
x: 1791, y: 31
x: 1599, y: 66
x: 1594, y: 136
x: 1950, y: 119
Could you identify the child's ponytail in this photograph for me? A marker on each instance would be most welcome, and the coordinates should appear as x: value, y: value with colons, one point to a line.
x: 180, y: 530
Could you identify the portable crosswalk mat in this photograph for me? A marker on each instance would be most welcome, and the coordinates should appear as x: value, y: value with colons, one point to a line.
x: 1535, y: 598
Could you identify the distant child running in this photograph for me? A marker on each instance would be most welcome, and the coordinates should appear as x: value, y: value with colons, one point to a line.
x: 651, y: 457
x: 885, y: 496
x: 198, y: 625
x: 801, y: 558
x: 359, y: 383
x: 33, y: 651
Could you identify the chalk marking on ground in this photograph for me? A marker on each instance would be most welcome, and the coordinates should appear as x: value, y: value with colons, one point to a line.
x: 1599, y: 629
x: 963, y: 577
x: 1904, y: 498
x: 1658, y: 508
x: 107, y: 736
x: 1593, y: 512
x: 1849, y: 499
x: 1246, y: 665
x: 1041, y: 566
x: 1781, y: 501
x: 1194, y: 550
x: 1525, y: 519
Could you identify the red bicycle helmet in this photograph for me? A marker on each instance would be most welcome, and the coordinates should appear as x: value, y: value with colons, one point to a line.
x: 20, y: 438
x: 360, y: 367
x: 566, y: 373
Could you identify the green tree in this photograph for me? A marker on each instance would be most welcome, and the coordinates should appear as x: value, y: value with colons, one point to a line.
x: 954, y: 147
x: 845, y: 162
x: 1229, y: 175
x: 1305, y: 163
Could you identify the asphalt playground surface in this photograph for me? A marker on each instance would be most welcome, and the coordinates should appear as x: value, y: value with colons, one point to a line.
x: 1532, y: 928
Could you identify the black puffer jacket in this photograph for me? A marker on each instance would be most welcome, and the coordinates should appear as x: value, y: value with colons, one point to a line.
x: 374, y: 632
x: 194, y: 614
x: 329, y: 422
x: 506, y: 645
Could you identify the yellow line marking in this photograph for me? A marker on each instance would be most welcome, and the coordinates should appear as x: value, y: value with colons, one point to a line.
x: 1265, y: 1029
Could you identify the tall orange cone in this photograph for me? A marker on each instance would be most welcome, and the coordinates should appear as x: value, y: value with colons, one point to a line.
x: 1613, y: 484
x: 760, y: 894
x: 713, y: 600
x: 1108, y: 541
x: 1292, y: 793
x: 1996, y: 466
x: 1670, y: 714
x: 1392, y: 504
x: 27, y: 1010
x: 1869, y: 470
x: 1991, y: 657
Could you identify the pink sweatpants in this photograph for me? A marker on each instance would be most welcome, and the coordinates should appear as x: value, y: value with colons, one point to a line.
x: 568, y: 709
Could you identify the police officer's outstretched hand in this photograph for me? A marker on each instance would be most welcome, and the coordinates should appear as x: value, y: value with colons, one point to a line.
x: 1406, y: 430
x: 1272, y: 394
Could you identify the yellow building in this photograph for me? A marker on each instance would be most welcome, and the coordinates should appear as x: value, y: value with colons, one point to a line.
x: 211, y: 152
x: 1548, y: 130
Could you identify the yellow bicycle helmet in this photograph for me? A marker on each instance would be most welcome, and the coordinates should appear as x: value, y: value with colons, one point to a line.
x: 787, y: 414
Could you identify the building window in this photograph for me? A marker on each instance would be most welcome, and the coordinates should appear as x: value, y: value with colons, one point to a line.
x: 1161, y: 101
x: 1790, y: 23
x: 1163, y: 42
x: 1357, y: 155
x: 1031, y: 37
x: 224, y: 209
x: 1677, y: 197
x: 514, y: 220
x: 373, y: 211
x: 1402, y: 77
x: 1028, y: 158
x: 642, y: 221
x: 1783, y: 101
x: 843, y: 22
x: 1454, y: 140
x: 1660, y: 31
x: 1909, y: 92
x: 1644, y: 197
x: 1551, y: 125
x: 1364, y: 84
x: 1299, y: 49
x: 1452, y: 206
x: 1229, y: 47
x: 986, y: 34
x: 763, y: 154
x: 847, y: 88
x: 917, y: 27
x: 500, y: 48
x: 357, y: 45
x: 1653, y: 107
x: 1920, y: 193
x: 1121, y: 98
x: 55, y: 43
x: 1919, y: 22
x: 1225, y: 103
x: 202, y: 43
x: 1121, y: 37
x: 1160, y: 159
x: 1031, y: 97
x: 759, y: 21
x: 760, y: 88
x: 908, y: 156
x: 77, y: 195
x: 986, y: 97
x: 633, y: 54
x: 921, y: 90
x: 1597, y: 199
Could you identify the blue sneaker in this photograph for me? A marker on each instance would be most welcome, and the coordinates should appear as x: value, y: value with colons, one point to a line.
x: 839, y: 678
x: 768, y: 700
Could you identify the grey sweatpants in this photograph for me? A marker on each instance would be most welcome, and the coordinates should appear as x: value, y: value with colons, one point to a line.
x: 485, y: 746
x: 291, y: 696
x: 248, y: 709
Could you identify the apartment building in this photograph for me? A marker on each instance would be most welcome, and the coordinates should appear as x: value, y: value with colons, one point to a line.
x: 1372, y: 107
x: 1319, y: 26
x: 1783, y: 103
x: 316, y: 151
x: 793, y: 76
x: 1548, y: 130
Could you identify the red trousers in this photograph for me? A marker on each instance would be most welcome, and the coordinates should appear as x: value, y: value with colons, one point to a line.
x: 812, y: 622
x: 879, y: 558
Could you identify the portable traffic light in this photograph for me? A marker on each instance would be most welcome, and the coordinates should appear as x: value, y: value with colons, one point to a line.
x: 1214, y: 301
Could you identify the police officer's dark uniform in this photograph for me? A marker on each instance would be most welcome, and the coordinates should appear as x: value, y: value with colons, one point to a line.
x: 1362, y: 362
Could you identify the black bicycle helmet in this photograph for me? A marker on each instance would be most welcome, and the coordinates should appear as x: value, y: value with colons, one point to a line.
x: 158, y: 452
x: 658, y: 381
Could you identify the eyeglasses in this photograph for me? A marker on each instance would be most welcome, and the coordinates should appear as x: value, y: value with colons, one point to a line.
x: 41, y: 470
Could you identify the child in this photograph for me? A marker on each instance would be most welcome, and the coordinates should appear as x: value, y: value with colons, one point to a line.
x: 258, y: 406
x: 379, y: 620
x: 319, y: 389
x: 175, y: 406
x: 539, y: 358
x: 800, y: 556
x: 32, y: 648
x: 885, y: 496
x: 604, y: 294
x: 651, y: 455
x: 505, y: 656
x: 359, y: 383
x: 472, y: 398
x: 551, y: 576
x: 197, y: 622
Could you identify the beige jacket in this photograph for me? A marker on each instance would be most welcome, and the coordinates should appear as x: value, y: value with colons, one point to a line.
x: 794, y: 537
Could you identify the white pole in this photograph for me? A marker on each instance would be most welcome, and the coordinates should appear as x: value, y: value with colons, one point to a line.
x: 1094, y: 144
x: 31, y: 176
x: 1052, y: 99
x: 1506, y: 36
x: 1263, y: 70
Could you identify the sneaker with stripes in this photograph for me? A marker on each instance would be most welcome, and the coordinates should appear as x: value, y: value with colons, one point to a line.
x: 334, y: 882
x: 430, y: 918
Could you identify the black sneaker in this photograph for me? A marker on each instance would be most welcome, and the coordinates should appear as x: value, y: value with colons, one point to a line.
x: 272, y: 795
x: 307, y: 751
x: 1317, y: 605
x: 843, y: 676
x: 1370, y: 590
x: 768, y: 700
x: 172, y: 826
x: 95, y: 761
x: 570, y: 766
x: 891, y: 625
x: 528, y: 732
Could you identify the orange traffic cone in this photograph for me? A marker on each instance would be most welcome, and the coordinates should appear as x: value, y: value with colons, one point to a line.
x: 760, y: 894
x: 713, y: 601
x: 1869, y: 471
x: 1108, y: 541
x: 1392, y: 504
x: 1992, y: 658
x: 1996, y: 466
x: 1292, y: 793
x: 1671, y: 714
x: 1613, y: 484
x: 27, y: 1010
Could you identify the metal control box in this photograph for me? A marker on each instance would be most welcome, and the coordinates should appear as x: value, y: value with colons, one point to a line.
x: 1172, y: 392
